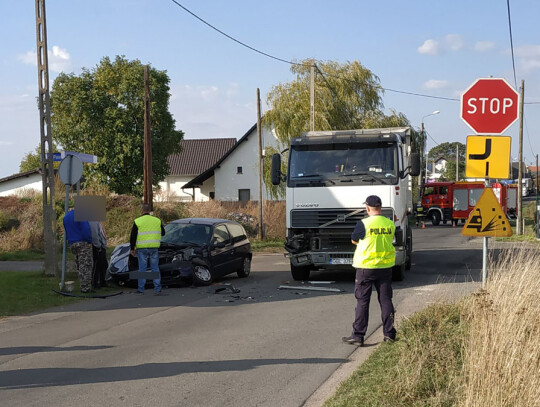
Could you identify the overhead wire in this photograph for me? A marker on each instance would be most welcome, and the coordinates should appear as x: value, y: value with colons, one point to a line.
x: 511, y: 42
x: 340, y: 77
x: 323, y: 74
x: 292, y: 62
x: 514, y: 70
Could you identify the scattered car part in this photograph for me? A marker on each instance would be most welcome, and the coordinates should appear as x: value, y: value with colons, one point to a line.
x: 297, y: 287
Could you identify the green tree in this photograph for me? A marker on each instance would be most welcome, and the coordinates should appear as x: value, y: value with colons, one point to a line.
x: 347, y: 96
x: 448, y: 152
x: 32, y: 160
x: 101, y: 112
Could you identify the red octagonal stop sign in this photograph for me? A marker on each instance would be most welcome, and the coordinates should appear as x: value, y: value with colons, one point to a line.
x: 489, y: 106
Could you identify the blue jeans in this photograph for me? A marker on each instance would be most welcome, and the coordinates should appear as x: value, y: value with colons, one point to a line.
x: 143, y: 255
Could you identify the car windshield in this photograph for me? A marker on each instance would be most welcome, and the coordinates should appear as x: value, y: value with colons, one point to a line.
x: 179, y: 233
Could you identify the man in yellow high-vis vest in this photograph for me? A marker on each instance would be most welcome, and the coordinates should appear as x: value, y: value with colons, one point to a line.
x: 373, y: 259
x: 145, y: 240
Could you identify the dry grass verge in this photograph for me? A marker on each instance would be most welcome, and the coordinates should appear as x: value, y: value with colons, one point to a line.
x: 21, y: 224
x: 503, y: 352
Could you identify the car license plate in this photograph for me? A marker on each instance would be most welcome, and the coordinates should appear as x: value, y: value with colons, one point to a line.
x: 341, y: 261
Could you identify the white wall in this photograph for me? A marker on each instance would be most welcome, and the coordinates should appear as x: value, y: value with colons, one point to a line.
x: 172, y: 187
x: 227, y: 179
x: 21, y: 185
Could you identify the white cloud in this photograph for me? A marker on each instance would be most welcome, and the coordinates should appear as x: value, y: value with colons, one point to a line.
x: 429, y: 47
x: 454, y: 42
x: 529, y: 57
x: 435, y: 84
x: 59, y: 59
x: 6, y: 143
x: 482, y: 46
x: 207, y: 111
x: 451, y: 42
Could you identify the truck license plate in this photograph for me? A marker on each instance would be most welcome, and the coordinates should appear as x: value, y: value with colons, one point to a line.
x: 341, y: 261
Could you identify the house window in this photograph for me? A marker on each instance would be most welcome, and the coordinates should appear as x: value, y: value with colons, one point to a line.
x: 212, y: 195
x: 243, y: 195
x: 239, y: 170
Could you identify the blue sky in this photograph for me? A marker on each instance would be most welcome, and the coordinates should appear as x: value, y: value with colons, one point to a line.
x: 435, y: 48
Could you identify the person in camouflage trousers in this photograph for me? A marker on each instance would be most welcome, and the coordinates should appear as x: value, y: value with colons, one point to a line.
x: 79, y: 239
x: 83, y: 259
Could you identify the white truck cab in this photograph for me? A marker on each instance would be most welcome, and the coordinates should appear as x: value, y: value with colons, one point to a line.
x: 329, y: 176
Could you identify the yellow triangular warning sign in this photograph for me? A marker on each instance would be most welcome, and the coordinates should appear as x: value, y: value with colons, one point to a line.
x: 487, y: 218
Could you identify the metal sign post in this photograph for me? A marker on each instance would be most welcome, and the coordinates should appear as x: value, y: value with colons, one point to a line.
x: 70, y: 172
x: 487, y: 219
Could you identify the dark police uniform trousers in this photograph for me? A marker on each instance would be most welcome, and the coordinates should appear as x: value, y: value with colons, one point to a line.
x: 366, y: 279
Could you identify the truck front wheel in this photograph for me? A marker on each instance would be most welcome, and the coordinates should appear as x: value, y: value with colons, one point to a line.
x: 300, y: 273
x: 435, y: 218
x: 398, y: 272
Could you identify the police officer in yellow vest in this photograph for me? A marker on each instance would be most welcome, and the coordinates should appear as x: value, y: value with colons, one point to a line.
x: 145, y: 240
x: 373, y: 259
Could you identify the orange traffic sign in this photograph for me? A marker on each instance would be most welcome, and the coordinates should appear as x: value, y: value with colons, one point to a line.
x: 487, y: 218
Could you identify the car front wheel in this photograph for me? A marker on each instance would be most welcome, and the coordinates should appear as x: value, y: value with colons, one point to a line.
x: 246, y: 268
x: 201, y: 275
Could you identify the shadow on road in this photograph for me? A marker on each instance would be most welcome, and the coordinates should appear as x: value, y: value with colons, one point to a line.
x: 48, y: 377
x: 20, y: 350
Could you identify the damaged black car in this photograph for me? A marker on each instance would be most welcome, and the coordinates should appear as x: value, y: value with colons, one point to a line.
x: 193, y: 251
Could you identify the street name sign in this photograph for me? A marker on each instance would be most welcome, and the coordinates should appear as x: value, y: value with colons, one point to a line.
x: 487, y: 219
x: 488, y: 157
x: 489, y: 106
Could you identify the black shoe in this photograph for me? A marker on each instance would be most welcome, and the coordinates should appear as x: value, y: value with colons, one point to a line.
x: 353, y: 341
x: 139, y: 292
x: 388, y: 339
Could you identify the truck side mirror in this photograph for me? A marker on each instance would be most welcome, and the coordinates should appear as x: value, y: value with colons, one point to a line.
x: 276, y: 169
x: 415, y: 164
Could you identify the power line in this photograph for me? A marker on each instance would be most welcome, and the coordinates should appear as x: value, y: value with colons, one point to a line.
x: 336, y: 76
x: 429, y: 135
x: 511, y: 42
x: 232, y: 38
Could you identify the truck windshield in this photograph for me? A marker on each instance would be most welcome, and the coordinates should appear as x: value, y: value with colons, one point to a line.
x: 343, y: 164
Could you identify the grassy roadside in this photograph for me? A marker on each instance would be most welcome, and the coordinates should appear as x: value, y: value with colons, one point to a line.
x: 417, y: 370
x: 26, y: 292
x: 480, y: 352
x: 29, y: 291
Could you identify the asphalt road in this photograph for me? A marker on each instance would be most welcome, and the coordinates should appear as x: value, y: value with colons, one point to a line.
x: 193, y: 347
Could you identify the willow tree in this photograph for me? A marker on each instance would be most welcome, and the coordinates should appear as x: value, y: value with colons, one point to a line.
x: 347, y: 96
x: 101, y: 112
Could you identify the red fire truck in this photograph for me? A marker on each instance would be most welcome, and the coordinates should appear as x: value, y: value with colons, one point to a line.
x: 454, y: 201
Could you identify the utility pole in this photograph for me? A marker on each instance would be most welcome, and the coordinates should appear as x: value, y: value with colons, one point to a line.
x: 47, y: 168
x: 519, y: 228
x: 147, y: 194
x: 312, y: 99
x: 537, y: 206
x: 260, y: 166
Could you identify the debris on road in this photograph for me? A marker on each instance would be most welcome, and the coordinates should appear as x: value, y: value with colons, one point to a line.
x: 297, y: 287
x: 226, y: 288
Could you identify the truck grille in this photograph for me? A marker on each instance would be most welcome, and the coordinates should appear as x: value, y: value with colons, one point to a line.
x: 330, y: 218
